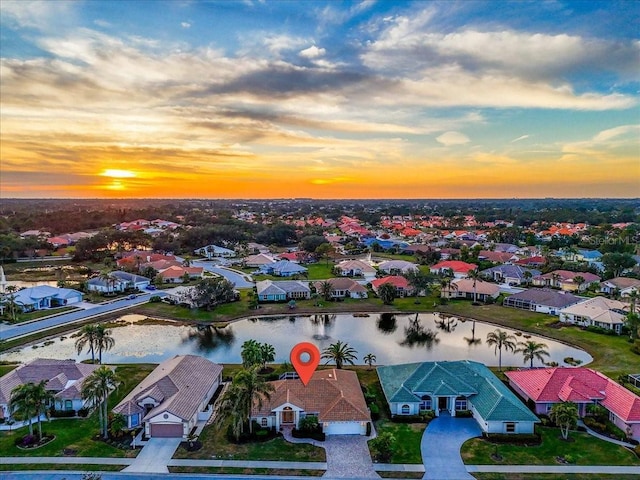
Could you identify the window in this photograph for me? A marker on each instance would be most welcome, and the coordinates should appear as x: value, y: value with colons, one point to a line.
x: 68, y: 405
x: 263, y: 422
x: 510, y: 427
x: 405, y: 409
x: 135, y: 420
x: 426, y: 403
x: 461, y: 403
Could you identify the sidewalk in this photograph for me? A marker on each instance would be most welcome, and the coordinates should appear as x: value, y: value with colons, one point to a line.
x: 604, y: 437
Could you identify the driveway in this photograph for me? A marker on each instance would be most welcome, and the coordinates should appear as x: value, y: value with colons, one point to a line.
x: 441, y: 444
x: 348, y: 457
x: 154, y: 456
x: 238, y: 278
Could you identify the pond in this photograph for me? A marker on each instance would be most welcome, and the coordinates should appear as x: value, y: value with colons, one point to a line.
x: 392, y: 338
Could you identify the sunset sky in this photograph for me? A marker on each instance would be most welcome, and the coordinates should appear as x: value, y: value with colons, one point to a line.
x: 370, y: 99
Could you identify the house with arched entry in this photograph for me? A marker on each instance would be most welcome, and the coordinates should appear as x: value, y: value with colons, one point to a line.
x: 448, y: 388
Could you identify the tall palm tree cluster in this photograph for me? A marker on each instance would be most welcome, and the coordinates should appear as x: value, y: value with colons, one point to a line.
x: 340, y: 353
x: 96, y: 389
x: 531, y: 350
x: 31, y: 400
x: 247, y: 389
x: 256, y: 353
x: 95, y: 338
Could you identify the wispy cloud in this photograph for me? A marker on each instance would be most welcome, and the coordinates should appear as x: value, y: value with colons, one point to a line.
x: 522, y: 137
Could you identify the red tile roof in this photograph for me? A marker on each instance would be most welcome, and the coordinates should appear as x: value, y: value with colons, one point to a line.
x: 395, y: 280
x: 580, y: 385
x: 455, y: 265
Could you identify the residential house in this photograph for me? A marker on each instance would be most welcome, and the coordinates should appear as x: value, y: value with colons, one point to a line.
x: 496, y: 257
x: 333, y: 396
x: 64, y: 379
x: 270, y: 291
x: 108, y: 284
x: 458, y: 268
x: 620, y: 286
x: 180, y: 296
x: 505, y: 247
x: 597, y: 312
x: 43, y: 296
x: 214, y: 251
x: 283, y: 268
x: 344, y: 288
x: 546, y: 387
x: 132, y: 280
x: 535, y: 261
x: 510, y: 274
x: 397, y: 267
x: 403, y: 289
x: 451, y: 387
x: 476, y: 290
x: 542, y: 300
x: 176, y: 273
x: 173, y: 398
x: 355, y: 268
x: 566, y: 280
x: 257, y: 261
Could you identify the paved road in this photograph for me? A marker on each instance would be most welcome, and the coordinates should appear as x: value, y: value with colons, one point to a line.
x: 27, y: 328
x: 234, y: 277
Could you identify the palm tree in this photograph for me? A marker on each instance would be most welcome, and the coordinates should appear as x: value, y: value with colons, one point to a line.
x: 565, y: 415
x: 532, y: 350
x: 447, y: 284
x: 325, y: 289
x: 474, y: 275
x: 527, y: 277
x: 251, y: 353
x: 97, y: 388
x: 369, y: 359
x: 555, y: 280
x: 387, y: 293
x: 578, y: 280
x: 267, y: 353
x: 501, y: 339
x: 87, y: 338
x: 42, y: 398
x: 418, y: 281
x: 248, y: 389
x: 103, y: 341
x: 10, y: 301
x: 633, y: 324
x: 22, y: 403
x: 340, y: 353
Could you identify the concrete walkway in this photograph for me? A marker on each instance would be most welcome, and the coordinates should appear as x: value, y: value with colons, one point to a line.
x: 604, y: 437
x: 561, y: 469
x: 441, y: 444
x: 154, y: 456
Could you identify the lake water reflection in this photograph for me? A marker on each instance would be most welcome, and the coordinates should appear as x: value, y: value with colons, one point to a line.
x: 392, y: 338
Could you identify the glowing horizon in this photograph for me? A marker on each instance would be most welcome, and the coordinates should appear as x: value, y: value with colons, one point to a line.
x: 319, y: 100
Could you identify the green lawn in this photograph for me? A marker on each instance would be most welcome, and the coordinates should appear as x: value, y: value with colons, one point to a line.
x: 25, y: 317
x: 408, y: 437
x: 216, y: 445
x: 78, y: 434
x: 6, y: 368
x: 320, y: 271
x: 583, y: 448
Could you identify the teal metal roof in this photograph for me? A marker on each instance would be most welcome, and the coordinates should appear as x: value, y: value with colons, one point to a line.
x: 491, y: 398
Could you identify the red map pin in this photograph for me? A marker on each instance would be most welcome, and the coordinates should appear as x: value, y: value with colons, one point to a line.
x: 304, y: 368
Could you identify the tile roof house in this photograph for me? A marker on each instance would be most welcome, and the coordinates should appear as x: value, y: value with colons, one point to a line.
x: 173, y: 398
x: 106, y: 285
x: 258, y: 260
x: 472, y: 290
x: 565, y: 280
x: 43, y: 296
x: 542, y: 300
x: 535, y: 261
x: 343, y: 288
x: 460, y: 269
x: 333, y: 396
x: 597, y: 312
x: 396, y: 267
x: 270, y: 291
x: 510, y: 274
x: 623, y: 286
x: 355, y: 268
x: 497, y: 257
x: 582, y: 386
x: 283, y: 268
x: 132, y: 280
x: 449, y: 387
x: 64, y: 378
x: 403, y: 289
x: 176, y: 273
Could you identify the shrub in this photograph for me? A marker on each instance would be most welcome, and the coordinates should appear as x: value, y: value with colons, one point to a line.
x: 155, y: 299
x: 62, y: 413
x: 427, y: 415
x: 383, y: 447
x: 514, y: 439
x: 407, y: 418
x: 317, y: 434
x: 375, y: 411
x: 464, y: 413
x: 83, y: 412
x: 309, y: 423
x: 569, y: 459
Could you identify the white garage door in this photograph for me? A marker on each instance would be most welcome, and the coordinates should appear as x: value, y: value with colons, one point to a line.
x: 343, y: 428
